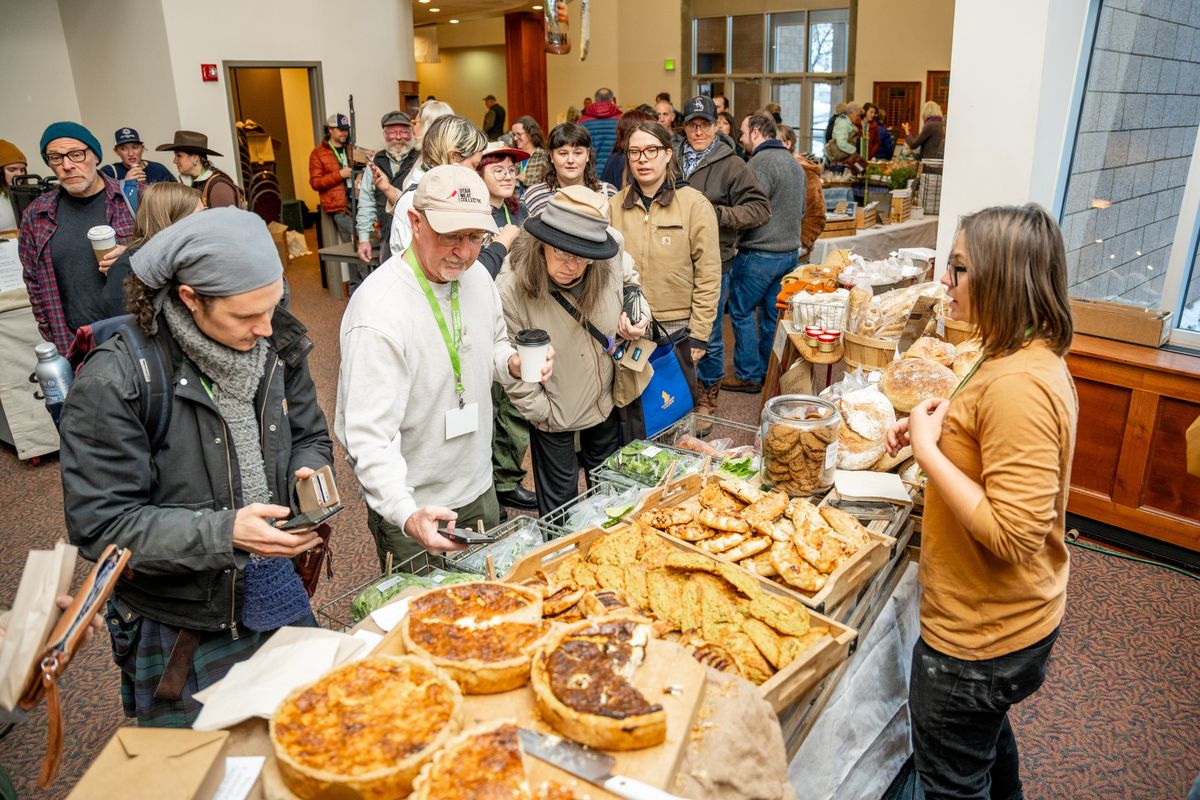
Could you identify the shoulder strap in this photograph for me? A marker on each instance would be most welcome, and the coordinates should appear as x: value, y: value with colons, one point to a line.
x: 156, y: 387
x: 570, y: 308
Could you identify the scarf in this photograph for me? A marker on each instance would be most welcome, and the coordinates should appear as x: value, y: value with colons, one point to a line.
x: 274, y: 595
x: 692, y: 159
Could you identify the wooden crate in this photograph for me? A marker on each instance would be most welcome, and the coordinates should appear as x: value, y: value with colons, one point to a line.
x: 839, y: 225
x: 901, y: 209
x: 959, y: 332
x: 784, y: 686
x: 868, y: 352
x: 843, y: 581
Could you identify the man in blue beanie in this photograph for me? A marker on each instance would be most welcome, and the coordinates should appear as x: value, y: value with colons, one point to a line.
x: 60, y: 268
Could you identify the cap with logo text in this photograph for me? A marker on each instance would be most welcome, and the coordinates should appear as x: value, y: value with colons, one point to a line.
x: 700, y: 107
x: 338, y: 121
x: 126, y: 135
x: 454, y: 198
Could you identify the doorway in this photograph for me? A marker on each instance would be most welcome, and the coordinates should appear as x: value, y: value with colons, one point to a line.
x: 277, y: 110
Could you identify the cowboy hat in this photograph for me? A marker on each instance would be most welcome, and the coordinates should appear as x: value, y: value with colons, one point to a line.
x: 188, y: 142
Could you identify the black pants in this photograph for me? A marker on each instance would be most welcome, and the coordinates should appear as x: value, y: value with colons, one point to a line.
x: 962, y: 741
x: 556, y: 464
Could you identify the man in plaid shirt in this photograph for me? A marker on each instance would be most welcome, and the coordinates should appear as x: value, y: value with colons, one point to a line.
x: 60, y: 269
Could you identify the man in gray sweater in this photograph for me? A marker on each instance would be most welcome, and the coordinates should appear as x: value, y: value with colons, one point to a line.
x: 765, y: 254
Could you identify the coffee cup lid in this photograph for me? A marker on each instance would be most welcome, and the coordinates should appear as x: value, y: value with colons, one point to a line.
x: 101, y: 232
x: 532, y: 337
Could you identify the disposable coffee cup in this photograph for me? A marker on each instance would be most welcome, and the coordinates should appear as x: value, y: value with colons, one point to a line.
x: 532, y: 346
x: 103, y: 239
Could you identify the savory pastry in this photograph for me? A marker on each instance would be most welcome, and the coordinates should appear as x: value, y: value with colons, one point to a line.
x: 795, y: 570
x: 719, y: 544
x: 932, y: 349
x: 910, y: 380
x: 582, y: 680
x: 482, y: 633
x: 692, y: 532
x: 714, y: 498
x: 723, y: 522
x: 364, y: 729
x: 748, y: 548
x: 847, y: 527
x: 666, y: 517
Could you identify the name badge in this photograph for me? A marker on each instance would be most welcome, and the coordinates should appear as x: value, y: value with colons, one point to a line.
x: 461, y: 421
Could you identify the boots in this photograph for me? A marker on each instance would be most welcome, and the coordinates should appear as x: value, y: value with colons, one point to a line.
x: 707, y: 405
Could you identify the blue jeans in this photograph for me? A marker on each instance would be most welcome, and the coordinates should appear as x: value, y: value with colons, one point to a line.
x: 754, y: 287
x: 711, y: 368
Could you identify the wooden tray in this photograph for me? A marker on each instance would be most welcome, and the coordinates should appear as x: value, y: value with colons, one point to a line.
x: 666, y: 664
x: 843, y: 581
x: 784, y: 686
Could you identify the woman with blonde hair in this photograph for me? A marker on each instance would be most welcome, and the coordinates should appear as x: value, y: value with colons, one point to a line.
x: 161, y: 206
x: 449, y: 140
x: 931, y: 141
x: 997, y: 454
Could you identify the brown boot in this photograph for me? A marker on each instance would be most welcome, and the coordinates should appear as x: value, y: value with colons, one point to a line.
x: 706, y: 405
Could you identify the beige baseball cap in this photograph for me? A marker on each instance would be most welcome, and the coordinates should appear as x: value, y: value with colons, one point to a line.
x: 454, y: 198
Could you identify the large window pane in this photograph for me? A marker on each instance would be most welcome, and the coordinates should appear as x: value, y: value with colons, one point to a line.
x: 825, y: 96
x: 828, y: 40
x: 787, y: 42
x: 789, y: 96
x: 1189, y: 320
x: 747, y: 98
x: 1136, y: 132
x: 710, y: 46
x: 748, y: 43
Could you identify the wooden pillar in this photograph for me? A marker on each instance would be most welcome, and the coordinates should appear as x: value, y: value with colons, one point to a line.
x: 525, y: 60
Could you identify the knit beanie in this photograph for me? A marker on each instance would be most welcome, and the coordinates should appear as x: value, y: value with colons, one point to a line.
x: 11, y: 154
x: 70, y: 130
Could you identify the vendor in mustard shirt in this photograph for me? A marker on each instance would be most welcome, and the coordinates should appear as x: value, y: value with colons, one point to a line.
x: 998, y: 457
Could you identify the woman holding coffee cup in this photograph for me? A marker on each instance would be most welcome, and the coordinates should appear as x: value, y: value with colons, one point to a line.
x: 564, y: 283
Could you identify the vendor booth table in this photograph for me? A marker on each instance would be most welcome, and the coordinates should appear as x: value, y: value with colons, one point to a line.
x: 876, y: 243
x: 332, y: 258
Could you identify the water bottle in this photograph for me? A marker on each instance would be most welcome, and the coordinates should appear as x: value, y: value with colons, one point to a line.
x: 54, y: 376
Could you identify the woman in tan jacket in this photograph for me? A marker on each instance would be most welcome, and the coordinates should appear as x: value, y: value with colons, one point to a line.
x: 670, y: 229
x: 565, y: 276
x: 998, y: 455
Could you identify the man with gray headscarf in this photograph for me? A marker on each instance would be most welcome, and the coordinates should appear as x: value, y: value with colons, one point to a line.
x: 211, y: 576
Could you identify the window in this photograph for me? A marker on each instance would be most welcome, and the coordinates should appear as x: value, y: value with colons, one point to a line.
x: 797, y: 59
x: 1126, y: 208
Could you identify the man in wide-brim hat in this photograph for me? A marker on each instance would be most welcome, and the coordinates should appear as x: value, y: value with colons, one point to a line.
x: 191, y: 159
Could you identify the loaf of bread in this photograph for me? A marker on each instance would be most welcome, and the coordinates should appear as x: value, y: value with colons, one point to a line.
x: 965, y: 355
x: 866, y: 417
x: 909, y: 381
x: 932, y: 349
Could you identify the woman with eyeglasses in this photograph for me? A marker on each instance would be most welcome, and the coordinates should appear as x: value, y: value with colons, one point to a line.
x: 997, y: 454
x: 498, y: 168
x: 670, y: 230
x: 527, y: 135
x: 572, y: 163
x: 565, y: 276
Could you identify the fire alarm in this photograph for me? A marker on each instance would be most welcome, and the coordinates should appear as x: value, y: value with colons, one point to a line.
x: 208, y: 72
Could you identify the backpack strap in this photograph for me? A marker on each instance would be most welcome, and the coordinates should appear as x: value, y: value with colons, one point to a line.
x: 605, y: 343
x: 156, y: 388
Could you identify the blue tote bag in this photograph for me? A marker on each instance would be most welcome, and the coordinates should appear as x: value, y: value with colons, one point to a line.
x: 667, y: 398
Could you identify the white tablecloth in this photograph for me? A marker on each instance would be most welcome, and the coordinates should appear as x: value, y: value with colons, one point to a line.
x: 875, y: 243
x: 25, y: 417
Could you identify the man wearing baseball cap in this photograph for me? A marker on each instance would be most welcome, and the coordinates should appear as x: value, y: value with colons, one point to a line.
x: 330, y: 173
x: 392, y: 162
x: 60, y: 271
x: 130, y: 164
x: 420, y: 349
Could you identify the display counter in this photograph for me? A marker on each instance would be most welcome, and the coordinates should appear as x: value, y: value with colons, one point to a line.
x: 876, y: 243
x: 1135, y: 405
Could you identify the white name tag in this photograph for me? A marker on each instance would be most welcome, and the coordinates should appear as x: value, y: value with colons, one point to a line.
x: 460, y: 421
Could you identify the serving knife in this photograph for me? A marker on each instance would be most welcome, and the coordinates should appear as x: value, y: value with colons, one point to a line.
x: 590, y: 765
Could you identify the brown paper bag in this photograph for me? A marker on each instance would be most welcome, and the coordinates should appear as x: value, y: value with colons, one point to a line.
x: 47, y: 575
x: 1193, y: 448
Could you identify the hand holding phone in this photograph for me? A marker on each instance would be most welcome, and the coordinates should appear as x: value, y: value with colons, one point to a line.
x: 466, y: 536
x: 309, y: 519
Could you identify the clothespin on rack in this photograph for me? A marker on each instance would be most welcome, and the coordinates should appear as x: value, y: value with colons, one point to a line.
x: 491, y: 569
x: 387, y: 568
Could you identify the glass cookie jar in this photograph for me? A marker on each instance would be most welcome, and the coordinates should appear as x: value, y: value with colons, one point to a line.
x: 799, y: 436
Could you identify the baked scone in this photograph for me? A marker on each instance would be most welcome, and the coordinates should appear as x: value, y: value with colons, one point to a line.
x: 582, y: 681
x: 483, y: 634
x: 966, y: 354
x: 933, y: 349
x: 910, y: 380
x: 364, y: 729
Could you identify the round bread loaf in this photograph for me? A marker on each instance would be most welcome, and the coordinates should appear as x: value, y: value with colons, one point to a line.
x: 866, y: 417
x: 966, y: 354
x: 910, y: 380
x: 932, y: 349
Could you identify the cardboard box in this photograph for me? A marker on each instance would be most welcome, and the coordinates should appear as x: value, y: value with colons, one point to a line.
x: 279, y: 234
x: 156, y: 763
x: 1125, y: 323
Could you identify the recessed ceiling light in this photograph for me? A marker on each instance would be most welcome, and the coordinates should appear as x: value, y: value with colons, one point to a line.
x: 453, y: 22
x: 422, y: 1
x: 434, y: 10
x: 537, y: 8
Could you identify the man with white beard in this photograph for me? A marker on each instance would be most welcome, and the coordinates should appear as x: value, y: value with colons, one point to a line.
x: 394, y: 161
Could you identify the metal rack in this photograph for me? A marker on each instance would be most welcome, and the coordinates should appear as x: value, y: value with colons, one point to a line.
x: 557, y: 521
x: 336, y: 614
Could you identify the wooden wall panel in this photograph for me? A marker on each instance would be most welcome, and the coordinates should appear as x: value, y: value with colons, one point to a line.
x: 1102, y: 413
x: 525, y: 53
x: 1167, y: 486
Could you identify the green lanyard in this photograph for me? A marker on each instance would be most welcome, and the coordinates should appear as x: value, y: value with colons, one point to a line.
x: 507, y: 218
x: 967, y: 377
x: 453, y: 342
x: 340, y: 154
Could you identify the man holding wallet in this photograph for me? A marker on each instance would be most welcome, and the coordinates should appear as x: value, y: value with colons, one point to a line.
x: 211, y: 577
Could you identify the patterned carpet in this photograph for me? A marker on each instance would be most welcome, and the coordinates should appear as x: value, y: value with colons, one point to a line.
x: 1117, y: 717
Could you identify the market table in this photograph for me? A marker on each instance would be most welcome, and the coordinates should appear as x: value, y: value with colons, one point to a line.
x: 24, y: 421
x: 333, y: 257
x: 875, y: 243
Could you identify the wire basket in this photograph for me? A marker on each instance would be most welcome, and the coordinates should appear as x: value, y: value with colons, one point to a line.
x: 560, y: 519
x: 688, y: 462
x: 740, y: 433
x: 826, y: 311
x: 337, y: 614
x: 469, y: 560
x: 931, y: 186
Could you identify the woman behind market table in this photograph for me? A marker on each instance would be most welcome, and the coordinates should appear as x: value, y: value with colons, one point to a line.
x: 572, y: 163
x: 931, y: 141
x: 566, y: 259
x: 12, y: 164
x: 998, y: 455
x: 527, y: 135
x: 670, y: 229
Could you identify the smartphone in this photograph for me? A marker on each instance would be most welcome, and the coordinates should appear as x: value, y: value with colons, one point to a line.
x: 466, y: 536
x: 310, y: 519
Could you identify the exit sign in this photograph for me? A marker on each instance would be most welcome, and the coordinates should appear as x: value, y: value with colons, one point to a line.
x: 669, y: 65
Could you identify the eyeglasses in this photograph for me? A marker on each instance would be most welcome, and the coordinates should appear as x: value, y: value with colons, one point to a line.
x: 456, y: 239
x: 636, y: 153
x: 698, y: 125
x: 56, y: 159
x: 570, y: 258
x: 955, y: 270
x: 500, y: 173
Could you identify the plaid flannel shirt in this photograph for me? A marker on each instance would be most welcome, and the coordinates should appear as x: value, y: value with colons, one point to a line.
x: 37, y: 227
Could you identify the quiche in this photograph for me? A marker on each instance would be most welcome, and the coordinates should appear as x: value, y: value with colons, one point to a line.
x: 483, y: 633
x: 582, y: 681
x: 365, y: 729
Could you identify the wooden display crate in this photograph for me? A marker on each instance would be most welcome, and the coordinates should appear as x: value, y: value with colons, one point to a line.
x: 839, y: 225
x: 786, y: 685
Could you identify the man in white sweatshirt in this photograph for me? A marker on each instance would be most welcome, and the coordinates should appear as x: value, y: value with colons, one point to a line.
x: 421, y: 345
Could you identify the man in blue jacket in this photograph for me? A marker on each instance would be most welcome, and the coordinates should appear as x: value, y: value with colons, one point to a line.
x: 601, y: 122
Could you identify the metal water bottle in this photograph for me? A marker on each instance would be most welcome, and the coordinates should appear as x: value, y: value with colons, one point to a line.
x: 54, y: 376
